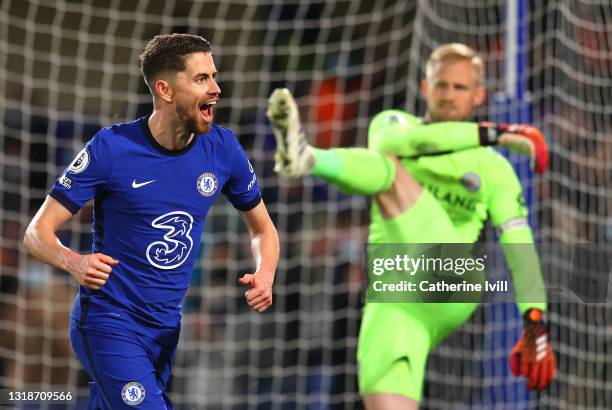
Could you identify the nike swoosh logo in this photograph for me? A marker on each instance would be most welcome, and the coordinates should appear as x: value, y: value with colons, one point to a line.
x: 141, y: 184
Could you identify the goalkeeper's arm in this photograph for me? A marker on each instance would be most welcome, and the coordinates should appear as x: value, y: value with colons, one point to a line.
x: 401, y: 134
x: 532, y: 356
x: 404, y: 135
x: 390, y: 132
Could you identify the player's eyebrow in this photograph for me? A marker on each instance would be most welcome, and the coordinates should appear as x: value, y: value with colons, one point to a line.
x: 206, y: 75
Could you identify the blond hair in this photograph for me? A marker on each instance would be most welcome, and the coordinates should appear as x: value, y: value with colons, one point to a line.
x: 453, y: 52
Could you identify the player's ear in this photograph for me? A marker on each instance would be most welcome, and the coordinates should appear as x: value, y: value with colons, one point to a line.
x: 163, y: 90
x: 481, y: 94
x: 424, y: 88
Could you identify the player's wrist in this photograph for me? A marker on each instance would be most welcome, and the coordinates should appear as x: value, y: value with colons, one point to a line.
x: 519, y: 138
x: 535, y: 324
x: 267, y: 275
x: 70, y: 261
x: 489, y: 133
x: 534, y: 315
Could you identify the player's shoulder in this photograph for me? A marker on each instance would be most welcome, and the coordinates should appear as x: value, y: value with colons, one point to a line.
x: 394, y: 117
x: 113, y: 132
x: 221, y: 135
x: 494, y: 157
x: 494, y: 164
x: 115, y: 138
x: 222, y: 132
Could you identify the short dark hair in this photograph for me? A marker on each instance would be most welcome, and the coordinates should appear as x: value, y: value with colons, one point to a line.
x: 166, y: 53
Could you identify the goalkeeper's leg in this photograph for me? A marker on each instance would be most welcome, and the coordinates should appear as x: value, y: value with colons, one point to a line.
x: 395, y: 338
x: 356, y: 171
x: 391, y: 131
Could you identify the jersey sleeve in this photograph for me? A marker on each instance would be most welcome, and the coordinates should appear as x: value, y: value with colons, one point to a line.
x: 86, y: 176
x: 390, y: 126
x: 506, y: 204
x: 509, y: 216
x: 241, y: 188
x: 404, y: 135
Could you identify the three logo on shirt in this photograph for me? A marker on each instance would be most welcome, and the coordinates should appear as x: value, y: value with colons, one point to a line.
x: 174, y: 247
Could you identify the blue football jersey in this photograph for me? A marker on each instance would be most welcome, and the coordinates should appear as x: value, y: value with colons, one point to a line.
x: 150, y: 204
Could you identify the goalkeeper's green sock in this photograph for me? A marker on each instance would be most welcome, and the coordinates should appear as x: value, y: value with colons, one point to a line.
x: 355, y: 171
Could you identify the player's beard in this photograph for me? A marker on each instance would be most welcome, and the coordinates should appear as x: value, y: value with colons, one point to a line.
x: 193, y: 122
x: 449, y: 111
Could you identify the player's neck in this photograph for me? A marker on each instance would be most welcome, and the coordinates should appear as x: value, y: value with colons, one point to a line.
x: 169, y: 132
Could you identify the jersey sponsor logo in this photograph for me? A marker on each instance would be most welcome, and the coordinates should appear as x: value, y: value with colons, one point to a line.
x: 137, y: 185
x: 65, y: 181
x: 173, y: 250
x: 251, y: 170
x: 207, y: 184
x: 452, y: 198
x: 252, y: 183
x: 471, y: 181
x: 80, y: 162
x: 133, y: 393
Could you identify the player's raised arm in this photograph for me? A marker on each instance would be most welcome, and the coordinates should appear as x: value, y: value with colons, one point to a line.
x: 265, y: 248
x: 41, y: 241
x: 360, y: 171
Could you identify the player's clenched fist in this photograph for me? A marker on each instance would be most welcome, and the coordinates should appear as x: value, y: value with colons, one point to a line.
x: 259, y: 296
x: 533, y: 357
x: 92, y: 271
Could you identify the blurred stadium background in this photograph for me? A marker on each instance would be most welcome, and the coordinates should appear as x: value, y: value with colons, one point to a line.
x: 69, y: 67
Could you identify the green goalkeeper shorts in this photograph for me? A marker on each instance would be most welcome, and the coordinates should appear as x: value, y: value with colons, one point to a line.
x: 395, y: 338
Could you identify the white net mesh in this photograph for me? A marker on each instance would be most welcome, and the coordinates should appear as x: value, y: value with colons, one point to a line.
x: 69, y: 67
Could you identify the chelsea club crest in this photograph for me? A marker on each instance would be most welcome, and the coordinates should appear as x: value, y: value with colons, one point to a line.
x: 133, y: 393
x: 207, y: 184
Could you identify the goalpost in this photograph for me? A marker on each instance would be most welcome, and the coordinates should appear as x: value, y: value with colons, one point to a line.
x: 69, y: 67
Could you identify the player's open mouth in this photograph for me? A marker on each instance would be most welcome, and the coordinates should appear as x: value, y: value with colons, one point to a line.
x: 206, y: 110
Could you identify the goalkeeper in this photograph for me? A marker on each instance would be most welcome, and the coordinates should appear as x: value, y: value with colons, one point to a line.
x: 433, y: 181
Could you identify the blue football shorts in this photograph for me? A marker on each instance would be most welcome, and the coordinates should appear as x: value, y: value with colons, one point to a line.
x: 128, y: 370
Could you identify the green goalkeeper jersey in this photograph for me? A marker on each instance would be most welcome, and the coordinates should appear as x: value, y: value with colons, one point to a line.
x: 471, y: 185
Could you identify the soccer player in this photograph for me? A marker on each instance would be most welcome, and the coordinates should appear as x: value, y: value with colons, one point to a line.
x: 153, y: 181
x: 420, y: 197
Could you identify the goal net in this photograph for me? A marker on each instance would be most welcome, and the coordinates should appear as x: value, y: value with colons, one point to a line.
x: 69, y: 67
